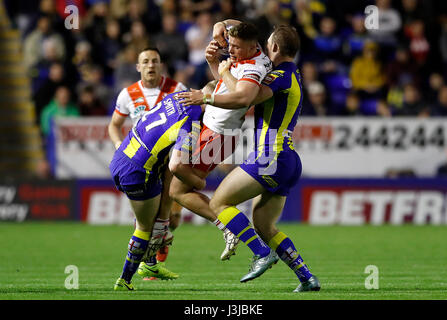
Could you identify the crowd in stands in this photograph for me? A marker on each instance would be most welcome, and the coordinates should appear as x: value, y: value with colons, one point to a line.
x: 398, y: 69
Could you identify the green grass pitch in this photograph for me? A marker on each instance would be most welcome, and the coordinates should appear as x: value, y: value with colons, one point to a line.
x: 411, y: 261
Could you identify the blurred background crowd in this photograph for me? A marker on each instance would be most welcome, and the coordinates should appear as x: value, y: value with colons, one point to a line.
x: 347, y: 70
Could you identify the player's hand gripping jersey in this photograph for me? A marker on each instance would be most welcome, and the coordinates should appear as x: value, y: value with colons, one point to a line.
x: 141, y: 158
x: 253, y: 70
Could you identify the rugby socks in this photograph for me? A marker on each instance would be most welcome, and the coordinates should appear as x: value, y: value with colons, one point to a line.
x: 287, y: 252
x: 159, y: 229
x: 136, y: 249
x: 219, y: 224
x: 238, y: 224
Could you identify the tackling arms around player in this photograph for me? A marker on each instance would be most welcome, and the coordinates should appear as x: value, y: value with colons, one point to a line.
x: 241, y: 97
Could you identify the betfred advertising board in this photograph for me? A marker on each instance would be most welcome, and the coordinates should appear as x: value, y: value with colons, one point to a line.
x: 368, y: 201
x: 101, y: 203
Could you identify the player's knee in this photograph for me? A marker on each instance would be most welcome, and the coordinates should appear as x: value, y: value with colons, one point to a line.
x: 174, y: 194
x: 216, y: 206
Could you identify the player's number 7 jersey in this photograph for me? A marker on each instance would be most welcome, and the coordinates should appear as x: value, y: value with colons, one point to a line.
x: 167, y: 124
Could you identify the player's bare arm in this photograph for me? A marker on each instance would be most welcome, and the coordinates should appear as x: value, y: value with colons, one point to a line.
x: 115, y: 129
x: 220, y: 33
x: 245, y: 92
x: 237, y: 98
x: 212, y: 57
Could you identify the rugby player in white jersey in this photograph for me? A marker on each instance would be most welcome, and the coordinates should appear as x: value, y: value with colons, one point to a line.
x: 218, y: 137
x: 132, y: 102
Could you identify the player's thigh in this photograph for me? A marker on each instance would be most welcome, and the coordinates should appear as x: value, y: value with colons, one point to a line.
x: 145, y: 212
x: 267, y: 209
x: 178, y: 187
x: 237, y: 187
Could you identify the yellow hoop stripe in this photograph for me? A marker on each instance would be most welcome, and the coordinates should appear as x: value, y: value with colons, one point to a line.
x: 228, y: 214
x: 142, y: 235
x: 276, y: 240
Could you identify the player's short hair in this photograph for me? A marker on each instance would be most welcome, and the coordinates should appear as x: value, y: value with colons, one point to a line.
x: 245, y: 31
x: 286, y: 37
x: 151, y: 49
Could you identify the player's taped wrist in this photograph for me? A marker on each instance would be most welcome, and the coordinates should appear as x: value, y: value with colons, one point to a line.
x: 208, y: 99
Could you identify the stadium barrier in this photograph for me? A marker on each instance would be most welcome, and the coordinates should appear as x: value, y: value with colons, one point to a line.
x: 328, y: 147
x: 311, y: 201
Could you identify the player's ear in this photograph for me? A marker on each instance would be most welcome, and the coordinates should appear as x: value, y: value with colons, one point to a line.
x: 138, y: 67
x: 275, y: 47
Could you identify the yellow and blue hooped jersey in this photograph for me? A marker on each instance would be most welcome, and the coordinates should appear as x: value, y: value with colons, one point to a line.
x: 168, y: 124
x: 276, y: 117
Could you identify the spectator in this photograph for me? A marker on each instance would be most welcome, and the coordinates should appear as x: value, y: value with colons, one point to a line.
x: 316, y: 105
x: 366, y: 74
x: 354, y: 43
x: 401, y: 70
x: 389, y: 24
x: 82, y: 59
x: 412, y: 10
x: 352, y: 106
x: 137, y: 36
x: 34, y: 42
x: 267, y: 20
x: 45, y: 93
x: 440, y: 108
x: 197, y: 37
x: 126, y: 71
x: 111, y: 45
x: 94, y: 77
x: 328, y: 45
x: 383, y: 109
x: 171, y: 44
x: 46, y: 8
x: 95, y: 28
x: 435, y: 83
x: 146, y: 12
x: 228, y: 9
x: 90, y: 104
x: 413, y: 105
x: 418, y: 43
x: 61, y: 105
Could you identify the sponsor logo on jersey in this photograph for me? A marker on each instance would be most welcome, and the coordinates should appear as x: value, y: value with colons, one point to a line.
x: 252, y: 76
x: 271, y: 76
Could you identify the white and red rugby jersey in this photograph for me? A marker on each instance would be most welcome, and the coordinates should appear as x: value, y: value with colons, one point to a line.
x: 135, y: 99
x: 254, y: 70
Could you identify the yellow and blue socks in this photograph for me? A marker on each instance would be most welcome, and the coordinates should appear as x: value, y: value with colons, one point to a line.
x: 287, y: 252
x: 239, y: 225
x: 136, y: 249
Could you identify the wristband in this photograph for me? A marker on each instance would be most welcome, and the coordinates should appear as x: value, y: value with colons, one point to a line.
x: 208, y: 99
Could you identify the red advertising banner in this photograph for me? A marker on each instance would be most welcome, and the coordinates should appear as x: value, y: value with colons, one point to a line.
x: 37, y: 200
x: 377, y: 202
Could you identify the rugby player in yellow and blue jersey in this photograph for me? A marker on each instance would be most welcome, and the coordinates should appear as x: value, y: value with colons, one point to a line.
x: 272, y: 169
x: 139, y: 163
